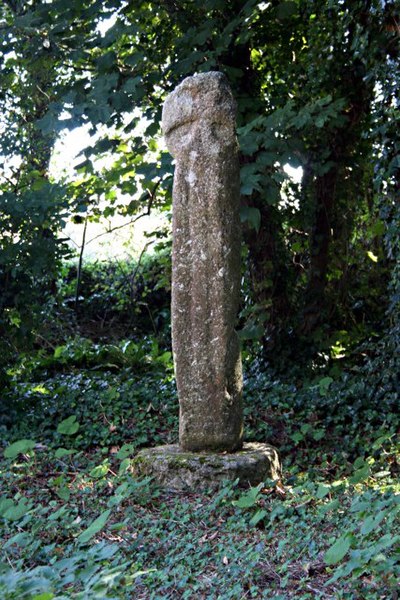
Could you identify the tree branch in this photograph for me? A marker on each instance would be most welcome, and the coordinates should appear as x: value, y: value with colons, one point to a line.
x: 145, y: 214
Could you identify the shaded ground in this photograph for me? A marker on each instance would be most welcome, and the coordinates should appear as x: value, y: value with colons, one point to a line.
x: 75, y: 523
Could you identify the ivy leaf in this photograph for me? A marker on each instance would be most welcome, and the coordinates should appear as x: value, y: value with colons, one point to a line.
x: 125, y: 451
x: 69, y: 426
x: 5, y: 504
x: 322, y: 491
x: 251, y: 331
x: 252, y: 216
x: 17, y: 511
x: 124, y: 466
x: 62, y: 452
x: 324, y: 385
x: 338, y: 550
x: 19, y: 447
x: 318, y: 434
x: 99, y: 471
x: 250, y: 498
x: 64, y: 493
x: 96, y: 526
x: 360, y: 475
x: 259, y: 515
x: 372, y: 522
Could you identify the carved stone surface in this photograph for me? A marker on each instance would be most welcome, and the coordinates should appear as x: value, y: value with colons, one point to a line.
x: 199, y: 128
x: 177, y: 469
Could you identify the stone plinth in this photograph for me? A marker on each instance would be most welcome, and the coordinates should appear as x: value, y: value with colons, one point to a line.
x: 199, y: 128
x: 178, y: 469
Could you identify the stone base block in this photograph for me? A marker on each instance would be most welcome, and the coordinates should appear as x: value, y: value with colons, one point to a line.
x: 179, y: 470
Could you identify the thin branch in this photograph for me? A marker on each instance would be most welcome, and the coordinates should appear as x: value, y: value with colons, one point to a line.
x: 67, y: 237
x: 43, y: 92
x: 145, y: 214
x: 112, y: 229
x: 135, y: 272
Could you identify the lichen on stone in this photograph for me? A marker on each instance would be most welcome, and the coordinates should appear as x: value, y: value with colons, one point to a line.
x: 199, y: 129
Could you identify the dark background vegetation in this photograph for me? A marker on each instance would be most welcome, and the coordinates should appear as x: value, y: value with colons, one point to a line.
x: 86, y: 371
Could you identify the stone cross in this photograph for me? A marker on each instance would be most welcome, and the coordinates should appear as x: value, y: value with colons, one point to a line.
x: 199, y: 127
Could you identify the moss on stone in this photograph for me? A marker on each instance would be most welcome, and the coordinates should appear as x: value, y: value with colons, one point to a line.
x: 174, y: 468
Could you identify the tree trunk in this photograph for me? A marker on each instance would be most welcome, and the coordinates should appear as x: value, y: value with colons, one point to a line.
x: 325, y: 187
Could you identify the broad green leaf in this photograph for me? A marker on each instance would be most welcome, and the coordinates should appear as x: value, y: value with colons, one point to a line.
x: 21, y: 539
x: 359, y: 462
x: 360, y: 475
x: 19, y: 447
x: 330, y: 506
x: 244, y: 502
x: 250, y: 498
x: 318, y: 434
x: 63, y: 493
x: 372, y: 522
x: 338, y: 550
x: 251, y: 331
x: 17, y: 511
x: 61, y: 452
x: 69, y: 426
x: 297, y: 437
x: 378, y: 228
x: 125, y: 451
x: 5, y: 504
x: 254, y: 218
x: 381, y: 440
x: 59, y: 351
x: 259, y: 515
x: 124, y: 466
x: 96, y: 526
x: 324, y: 385
x: 99, y: 471
x: 49, y: 123
x: 322, y: 491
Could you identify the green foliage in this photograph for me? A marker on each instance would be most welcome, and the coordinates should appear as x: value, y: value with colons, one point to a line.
x: 94, y: 528
x: 85, y: 370
x: 308, y: 99
x: 122, y: 296
x: 331, y: 526
x: 86, y: 408
x: 68, y: 426
x: 19, y: 447
x: 328, y: 529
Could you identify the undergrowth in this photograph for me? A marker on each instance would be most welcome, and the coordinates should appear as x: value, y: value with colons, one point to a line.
x: 77, y: 523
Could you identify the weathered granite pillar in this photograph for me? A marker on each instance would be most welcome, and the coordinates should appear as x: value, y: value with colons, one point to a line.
x: 199, y: 128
